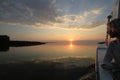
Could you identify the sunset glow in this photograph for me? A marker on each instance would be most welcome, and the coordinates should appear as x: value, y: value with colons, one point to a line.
x: 71, y: 39
x: 47, y: 20
x: 51, y: 39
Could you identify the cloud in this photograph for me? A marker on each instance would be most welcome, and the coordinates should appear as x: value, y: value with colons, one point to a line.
x: 45, y: 13
x: 97, y: 11
x: 86, y: 20
x: 27, y: 11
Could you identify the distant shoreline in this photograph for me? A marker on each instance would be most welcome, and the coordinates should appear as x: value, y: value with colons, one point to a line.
x: 24, y: 43
x: 5, y: 43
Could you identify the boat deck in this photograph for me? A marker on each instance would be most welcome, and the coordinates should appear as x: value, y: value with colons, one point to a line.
x: 101, y: 73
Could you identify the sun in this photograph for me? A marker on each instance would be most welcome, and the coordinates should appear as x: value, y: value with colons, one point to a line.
x: 71, y: 39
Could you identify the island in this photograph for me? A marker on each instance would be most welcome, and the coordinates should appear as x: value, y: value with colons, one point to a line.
x: 5, y: 43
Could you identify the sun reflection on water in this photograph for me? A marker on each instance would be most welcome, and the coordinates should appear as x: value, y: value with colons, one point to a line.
x: 71, y: 45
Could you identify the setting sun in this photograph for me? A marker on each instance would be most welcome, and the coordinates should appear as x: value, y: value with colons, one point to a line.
x: 71, y: 39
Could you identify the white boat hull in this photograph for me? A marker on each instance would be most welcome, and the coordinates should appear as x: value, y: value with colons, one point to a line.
x: 101, y: 73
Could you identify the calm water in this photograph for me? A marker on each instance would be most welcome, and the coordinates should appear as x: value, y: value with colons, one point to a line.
x: 49, y: 51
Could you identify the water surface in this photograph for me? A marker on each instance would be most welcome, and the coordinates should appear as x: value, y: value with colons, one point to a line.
x: 51, y: 50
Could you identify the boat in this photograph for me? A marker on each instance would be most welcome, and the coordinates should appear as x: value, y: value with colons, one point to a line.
x: 101, y: 73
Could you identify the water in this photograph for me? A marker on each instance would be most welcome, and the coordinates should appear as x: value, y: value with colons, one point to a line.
x: 48, y: 51
x: 51, y: 61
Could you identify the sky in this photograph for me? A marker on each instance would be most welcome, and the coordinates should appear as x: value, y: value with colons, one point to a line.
x: 44, y: 20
